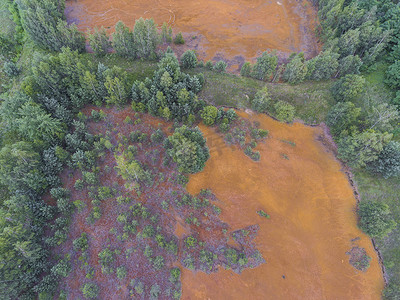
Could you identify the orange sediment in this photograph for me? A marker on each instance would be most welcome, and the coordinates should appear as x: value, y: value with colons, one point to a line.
x: 313, y: 221
x: 233, y: 29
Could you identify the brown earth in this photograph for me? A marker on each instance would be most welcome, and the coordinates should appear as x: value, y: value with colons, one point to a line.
x: 231, y: 29
x: 312, y: 226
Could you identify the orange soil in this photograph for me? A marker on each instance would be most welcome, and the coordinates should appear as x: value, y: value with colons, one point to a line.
x: 223, y: 28
x: 312, y: 222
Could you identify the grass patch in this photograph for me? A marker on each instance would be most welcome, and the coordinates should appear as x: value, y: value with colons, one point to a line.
x: 137, y: 69
x: 373, y: 188
x: 291, y: 143
x: 312, y: 100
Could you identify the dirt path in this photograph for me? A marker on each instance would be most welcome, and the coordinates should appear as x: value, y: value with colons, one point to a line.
x: 231, y: 29
x: 312, y: 225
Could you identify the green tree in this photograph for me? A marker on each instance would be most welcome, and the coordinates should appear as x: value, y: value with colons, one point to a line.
x: 323, y: 66
x: 349, y: 65
x: 393, y: 75
x: 362, y: 148
x: 209, y: 115
x: 45, y: 23
x: 122, y: 41
x: 130, y: 169
x: 22, y: 258
x: 99, y: 41
x: 36, y: 125
x: 166, y: 33
x: 146, y: 37
x: 349, y: 42
x: 246, y: 69
x: 348, y: 88
x: 117, y: 86
x: 296, y: 69
x: 342, y: 118
x: 383, y: 117
x: 388, y: 162
x: 265, y: 66
x: 261, y: 101
x: 375, y: 218
x: 189, y: 59
x: 188, y: 149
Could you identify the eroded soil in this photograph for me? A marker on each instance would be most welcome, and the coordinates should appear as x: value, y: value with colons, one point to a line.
x: 312, y: 221
x: 298, y: 183
x: 234, y: 30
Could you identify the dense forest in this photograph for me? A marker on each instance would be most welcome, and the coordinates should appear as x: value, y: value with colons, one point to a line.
x: 48, y: 78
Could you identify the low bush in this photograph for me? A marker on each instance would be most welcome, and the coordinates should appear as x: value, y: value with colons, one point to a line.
x: 90, y: 291
x: 220, y: 66
x: 284, y: 111
x: 179, y: 40
x: 209, y: 115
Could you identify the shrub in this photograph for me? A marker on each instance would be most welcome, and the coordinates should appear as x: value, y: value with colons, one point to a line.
x: 231, y: 255
x: 157, y: 136
x: 155, y: 291
x: 209, y: 115
x: 179, y: 40
x: 375, y: 218
x: 284, y: 111
x: 139, y: 288
x: 220, y: 66
x: 90, y: 291
x: 106, y: 256
x: 231, y: 115
x: 121, y: 272
x: 262, y: 213
x: 175, y: 274
x: 148, y: 252
x: 245, y: 71
x: 63, y: 268
x: 81, y: 243
x: 209, y: 65
x: 189, y: 59
x: 261, y: 101
x: 148, y: 231
x: 158, y: 262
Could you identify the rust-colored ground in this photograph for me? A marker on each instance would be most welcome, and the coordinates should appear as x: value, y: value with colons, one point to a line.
x: 231, y: 29
x: 312, y: 222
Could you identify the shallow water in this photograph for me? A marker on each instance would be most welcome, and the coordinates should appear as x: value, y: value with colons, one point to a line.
x: 232, y: 29
x: 312, y: 224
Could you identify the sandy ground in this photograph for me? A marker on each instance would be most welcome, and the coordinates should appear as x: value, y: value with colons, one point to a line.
x: 312, y: 225
x: 233, y: 30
